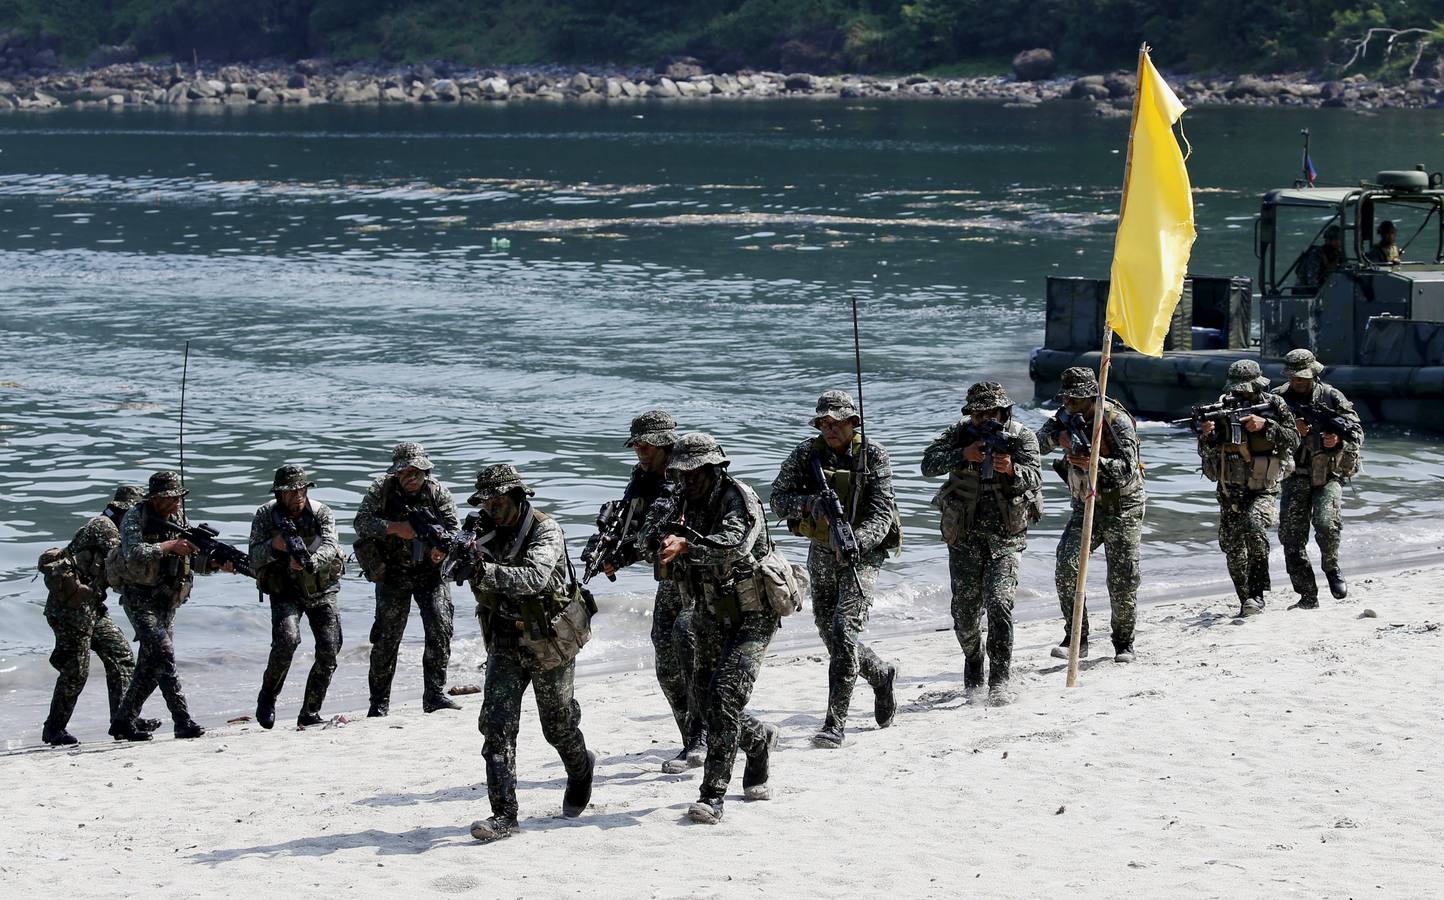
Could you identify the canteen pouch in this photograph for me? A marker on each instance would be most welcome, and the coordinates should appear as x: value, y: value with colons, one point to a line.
x: 561, y: 637
x: 776, y: 585
x: 1345, y: 463
x: 371, y: 558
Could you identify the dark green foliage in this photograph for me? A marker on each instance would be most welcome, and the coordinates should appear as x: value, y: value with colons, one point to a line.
x: 866, y: 35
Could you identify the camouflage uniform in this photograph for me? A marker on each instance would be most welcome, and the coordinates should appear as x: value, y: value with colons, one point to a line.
x: 1248, y: 477
x: 531, y: 564
x: 81, y: 622
x: 408, y: 574
x: 294, y: 594
x: 673, y: 641
x: 1117, y: 510
x: 733, y: 625
x: 840, y: 602
x: 1314, y: 492
x: 156, y: 584
x: 985, y: 525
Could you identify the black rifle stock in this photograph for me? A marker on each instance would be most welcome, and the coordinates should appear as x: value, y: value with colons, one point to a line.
x: 1225, y: 414
x: 469, y: 547
x: 1326, y: 421
x: 295, y: 546
x: 208, y: 541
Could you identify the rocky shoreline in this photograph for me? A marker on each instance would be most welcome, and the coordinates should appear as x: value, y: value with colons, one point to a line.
x: 138, y: 84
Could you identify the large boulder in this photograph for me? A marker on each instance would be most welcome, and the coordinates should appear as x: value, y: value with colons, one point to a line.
x: 446, y: 90
x: 679, y: 68
x: 1120, y: 84
x: 113, y: 55
x: 666, y: 87
x: 1089, y: 87
x: 1249, y: 86
x: 799, y: 81
x: 1037, y: 64
x: 495, y: 88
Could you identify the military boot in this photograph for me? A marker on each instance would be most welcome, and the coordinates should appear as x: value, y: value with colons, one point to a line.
x: 188, y: 729
x: 884, y: 704
x: 1123, y: 653
x: 493, y: 828
x: 1306, y: 603
x: 754, y: 776
x: 691, y: 756
x: 57, y: 737
x: 437, y: 701
x: 124, y: 729
x: 1337, y: 585
x: 148, y: 725
x: 1250, y: 606
x: 706, y: 811
x: 307, y: 719
x: 831, y: 735
x: 1061, y: 651
x: 379, y: 709
x: 266, y: 711
x: 579, y: 789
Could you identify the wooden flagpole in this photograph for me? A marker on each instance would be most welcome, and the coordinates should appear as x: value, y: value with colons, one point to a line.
x: 1075, y: 633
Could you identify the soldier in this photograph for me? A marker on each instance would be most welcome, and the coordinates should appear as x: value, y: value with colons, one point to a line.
x: 298, y: 564
x: 714, y: 557
x: 860, y: 474
x: 993, y: 493
x: 398, y: 528
x: 1327, y: 456
x: 75, y: 609
x: 530, y: 582
x: 157, y: 572
x: 652, y: 435
x: 1248, y: 474
x: 1320, y: 261
x: 1117, y: 508
x: 1386, y: 250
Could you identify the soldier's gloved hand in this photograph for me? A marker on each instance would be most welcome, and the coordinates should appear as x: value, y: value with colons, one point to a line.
x: 1302, y: 426
x: 1254, y: 423
x: 178, y: 547
x: 973, y: 453
x: 1207, y: 428
x: 1331, y: 441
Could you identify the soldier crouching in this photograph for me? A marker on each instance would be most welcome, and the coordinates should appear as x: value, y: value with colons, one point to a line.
x: 298, y: 565
x: 534, y: 618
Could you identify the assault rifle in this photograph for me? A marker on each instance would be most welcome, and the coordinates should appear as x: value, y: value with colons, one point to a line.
x: 1225, y: 414
x: 1080, y: 433
x: 616, y: 531
x: 993, y: 435
x: 469, y: 547
x: 429, y: 528
x: 1323, y: 420
x: 844, y: 539
x: 295, y: 547
x: 207, y: 541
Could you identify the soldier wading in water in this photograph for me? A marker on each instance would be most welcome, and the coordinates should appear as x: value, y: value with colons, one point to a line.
x: 859, y: 474
x: 535, y: 619
x: 298, y: 565
x: 712, y: 544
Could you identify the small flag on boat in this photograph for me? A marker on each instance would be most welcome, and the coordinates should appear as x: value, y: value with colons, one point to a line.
x: 1309, y: 174
x: 1155, y: 228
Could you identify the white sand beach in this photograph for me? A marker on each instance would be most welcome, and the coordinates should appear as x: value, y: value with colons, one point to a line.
x: 1291, y: 755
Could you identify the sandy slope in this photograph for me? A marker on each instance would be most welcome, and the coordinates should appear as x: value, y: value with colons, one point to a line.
x: 1294, y: 755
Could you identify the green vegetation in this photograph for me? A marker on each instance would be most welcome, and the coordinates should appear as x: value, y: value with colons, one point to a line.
x: 859, y: 35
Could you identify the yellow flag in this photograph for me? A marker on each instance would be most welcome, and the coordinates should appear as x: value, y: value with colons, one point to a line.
x: 1155, y: 229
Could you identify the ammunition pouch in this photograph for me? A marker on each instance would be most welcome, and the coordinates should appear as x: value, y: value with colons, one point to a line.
x: 553, y: 634
x: 1253, y: 472
x: 962, y: 496
x: 370, y: 556
x: 776, y: 585
x: 277, y: 577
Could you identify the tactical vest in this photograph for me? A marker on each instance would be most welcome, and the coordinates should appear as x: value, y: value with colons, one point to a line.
x: 168, y: 578
x: 399, y: 554
x: 968, y: 503
x: 1077, y: 479
x: 850, y: 487
x: 1253, y: 464
x: 277, y: 578
x: 505, y: 619
x: 1317, y: 462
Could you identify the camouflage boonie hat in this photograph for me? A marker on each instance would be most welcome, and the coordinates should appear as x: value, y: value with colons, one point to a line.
x: 1079, y: 382
x: 165, y: 484
x: 409, y: 455
x: 1301, y: 364
x: 1245, y: 377
x: 654, y: 427
x: 493, y: 481
x: 835, y: 405
x: 986, y: 395
x: 696, y: 449
x: 290, y: 477
x: 126, y: 496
